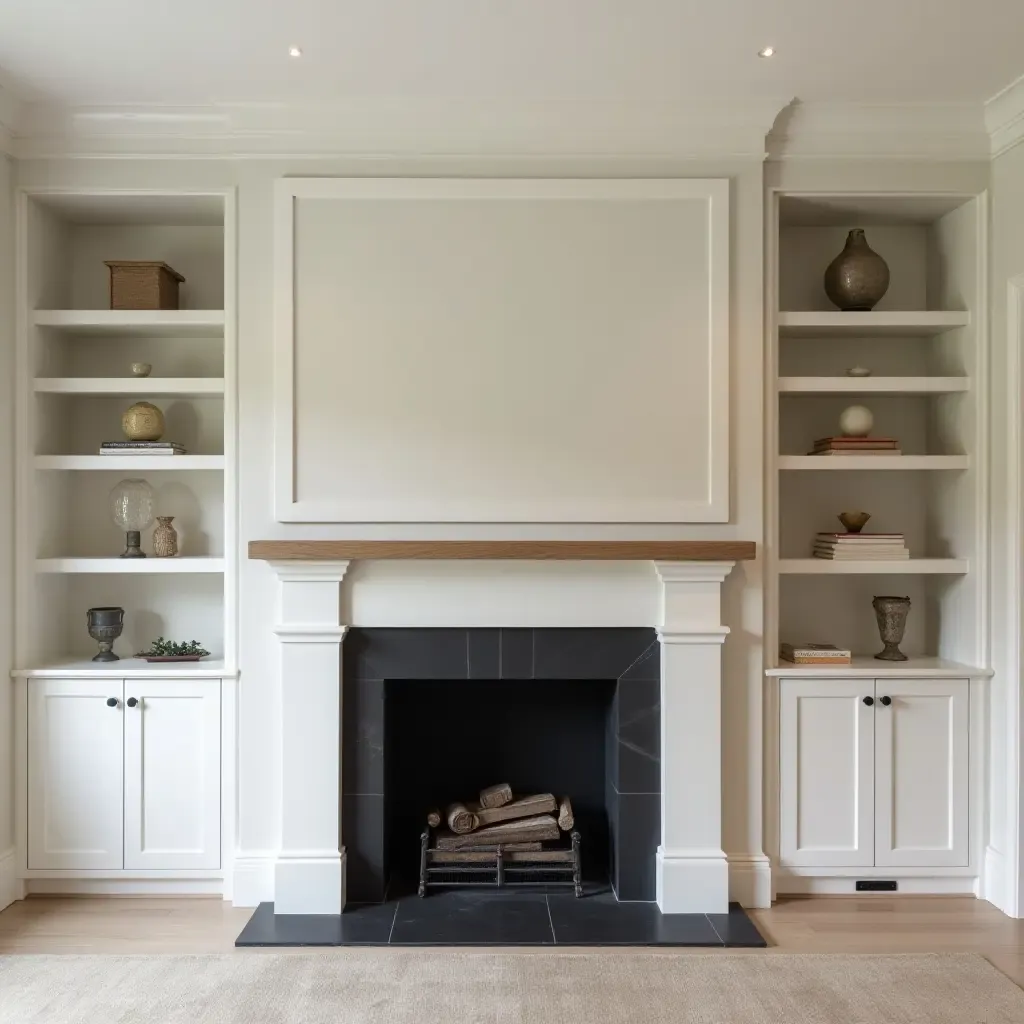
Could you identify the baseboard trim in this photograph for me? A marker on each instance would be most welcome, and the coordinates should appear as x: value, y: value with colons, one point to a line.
x: 252, y: 880
x: 117, y: 887
x: 11, y: 886
x: 997, y: 883
x: 940, y: 885
x: 750, y: 880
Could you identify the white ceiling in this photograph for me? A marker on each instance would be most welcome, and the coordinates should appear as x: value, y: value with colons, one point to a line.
x: 674, y: 51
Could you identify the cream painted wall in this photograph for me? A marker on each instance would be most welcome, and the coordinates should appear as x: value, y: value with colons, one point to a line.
x: 6, y: 501
x: 259, y: 699
x: 1006, y: 782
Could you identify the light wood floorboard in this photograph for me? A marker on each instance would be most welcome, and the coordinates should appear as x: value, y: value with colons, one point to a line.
x: 882, y: 924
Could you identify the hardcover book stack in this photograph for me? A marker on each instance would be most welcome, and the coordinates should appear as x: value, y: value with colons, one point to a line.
x: 860, y: 547
x: 814, y: 654
x: 142, y: 448
x: 856, y: 446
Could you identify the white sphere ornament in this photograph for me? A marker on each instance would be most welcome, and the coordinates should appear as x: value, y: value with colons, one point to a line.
x: 856, y: 421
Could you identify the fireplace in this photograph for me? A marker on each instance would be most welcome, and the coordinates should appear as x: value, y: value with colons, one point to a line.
x: 430, y: 716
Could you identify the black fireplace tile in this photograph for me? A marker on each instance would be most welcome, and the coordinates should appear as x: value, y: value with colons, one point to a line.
x: 736, y: 929
x: 611, y: 741
x: 362, y: 833
x: 516, y: 651
x: 587, y: 653
x: 639, y: 737
x: 473, y: 919
x: 408, y: 654
x: 647, y: 666
x: 601, y: 921
x: 362, y: 747
x: 484, y: 662
x: 638, y: 821
x: 367, y: 925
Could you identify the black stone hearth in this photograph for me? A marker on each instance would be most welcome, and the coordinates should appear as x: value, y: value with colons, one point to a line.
x: 433, y: 715
x: 459, y: 918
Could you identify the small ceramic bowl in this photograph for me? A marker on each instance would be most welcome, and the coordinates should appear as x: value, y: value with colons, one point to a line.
x: 858, y: 371
x: 854, y: 521
x: 141, y: 369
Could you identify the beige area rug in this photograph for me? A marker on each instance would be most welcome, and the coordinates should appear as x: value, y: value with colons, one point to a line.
x: 431, y: 987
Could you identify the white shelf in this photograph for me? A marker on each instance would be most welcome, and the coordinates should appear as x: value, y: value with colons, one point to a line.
x: 897, y: 567
x: 130, y: 386
x: 872, y: 385
x: 147, y: 463
x: 169, y: 323
x: 117, y: 566
x: 862, y: 462
x: 868, y: 667
x: 836, y: 324
x: 126, y: 668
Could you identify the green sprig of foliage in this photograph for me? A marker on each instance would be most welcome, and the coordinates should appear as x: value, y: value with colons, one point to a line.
x: 161, y: 648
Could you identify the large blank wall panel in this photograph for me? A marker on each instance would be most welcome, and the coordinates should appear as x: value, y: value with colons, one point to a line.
x: 502, y: 351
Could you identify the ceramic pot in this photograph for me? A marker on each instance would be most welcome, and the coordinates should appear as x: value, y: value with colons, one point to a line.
x: 165, y: 538
x: 142, y: 369
x: 891, y: 613
x: 858, y: 277
x: 105, y: 625
x: 854, y: 521
x: 143, y: 422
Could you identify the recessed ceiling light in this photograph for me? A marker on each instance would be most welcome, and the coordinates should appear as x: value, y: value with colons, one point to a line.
x: 768, y: 51
x: 294, y: 51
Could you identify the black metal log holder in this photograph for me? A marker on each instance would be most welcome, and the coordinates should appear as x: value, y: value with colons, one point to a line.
x: 499, y: 868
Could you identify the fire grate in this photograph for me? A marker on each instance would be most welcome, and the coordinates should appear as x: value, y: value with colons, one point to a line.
x: 499, y: 868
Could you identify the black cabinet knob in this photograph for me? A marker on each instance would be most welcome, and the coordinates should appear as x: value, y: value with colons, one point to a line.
x: 869, y: 701
x: 887, y: 701
x: 132, y: 702
x: 111, y: 702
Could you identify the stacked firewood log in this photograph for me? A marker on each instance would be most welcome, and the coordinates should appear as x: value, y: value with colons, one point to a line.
x: 497, y: 818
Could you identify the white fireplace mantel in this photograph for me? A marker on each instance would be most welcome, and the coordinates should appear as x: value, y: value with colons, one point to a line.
x: 692, y: 869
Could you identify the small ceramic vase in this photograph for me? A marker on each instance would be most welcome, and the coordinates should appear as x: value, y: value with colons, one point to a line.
x: 143, y: 422
x: 856, y: 421
x: 165, y: 538
x: 854, y: 521
x: 891, y: 614
x: 142, y: 369
x: 858, y: 277
x: 105, y: 626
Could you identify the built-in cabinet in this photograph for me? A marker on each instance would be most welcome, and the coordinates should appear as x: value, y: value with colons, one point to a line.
x: 124, y: 774
x: 875, y: 772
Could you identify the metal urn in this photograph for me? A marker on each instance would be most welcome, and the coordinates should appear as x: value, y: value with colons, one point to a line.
x: 891, y: 613
x: 858, y: 277
x: 105, y: 625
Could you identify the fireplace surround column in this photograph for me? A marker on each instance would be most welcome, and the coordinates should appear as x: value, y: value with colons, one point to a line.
x: 692, y: 871
x: 309, y: 870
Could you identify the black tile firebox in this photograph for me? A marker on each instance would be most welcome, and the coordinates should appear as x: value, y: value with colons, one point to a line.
x: 430, y: 715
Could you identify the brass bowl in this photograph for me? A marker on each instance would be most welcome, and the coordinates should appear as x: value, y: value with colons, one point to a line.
x: 854, y: 521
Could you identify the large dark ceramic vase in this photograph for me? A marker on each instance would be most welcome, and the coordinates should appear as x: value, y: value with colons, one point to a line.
x: 858, y: 277
x: 105, y: 625
x: 891, y: 613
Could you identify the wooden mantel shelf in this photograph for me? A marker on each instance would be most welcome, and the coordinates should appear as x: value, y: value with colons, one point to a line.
x: 532, y: 550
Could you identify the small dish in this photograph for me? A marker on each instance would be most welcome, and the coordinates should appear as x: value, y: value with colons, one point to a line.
x: 858, y: 371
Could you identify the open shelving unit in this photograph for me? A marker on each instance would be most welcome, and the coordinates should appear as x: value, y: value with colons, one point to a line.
x: 926, y: 346
x: 74, y: 383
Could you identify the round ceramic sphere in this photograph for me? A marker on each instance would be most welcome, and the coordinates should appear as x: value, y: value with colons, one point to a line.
x: 856, y: 421
x: 143, y: 422
x: 141, y: 369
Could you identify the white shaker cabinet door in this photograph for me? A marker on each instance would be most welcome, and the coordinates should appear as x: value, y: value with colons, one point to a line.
x: 75, y: 774
x: 172, y: 774
x: 827, y: 760
x: 922, y: 742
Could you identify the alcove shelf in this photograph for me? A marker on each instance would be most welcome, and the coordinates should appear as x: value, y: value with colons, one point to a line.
x: 855, y: 463
x: 866, y: 666
x: 75, y: 383
x: 872, y: 385
x: 897, y: 567
x: 126, y: 668
x: 879, y: 323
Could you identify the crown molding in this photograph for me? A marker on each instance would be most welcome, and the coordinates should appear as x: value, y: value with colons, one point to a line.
x: 401, y: 127
x: 917, y: 131
x: 1004, y: 117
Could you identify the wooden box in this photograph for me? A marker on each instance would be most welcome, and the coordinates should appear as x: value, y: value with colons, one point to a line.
x: 141, y: 284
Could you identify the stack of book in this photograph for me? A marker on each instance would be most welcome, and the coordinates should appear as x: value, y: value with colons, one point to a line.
x: 814, y: 654
x: 860, y: 547
x: 142, y: 448
x: 856, y: 446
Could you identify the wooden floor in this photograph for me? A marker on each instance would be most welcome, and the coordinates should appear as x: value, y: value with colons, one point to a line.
x: 880, y: 924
